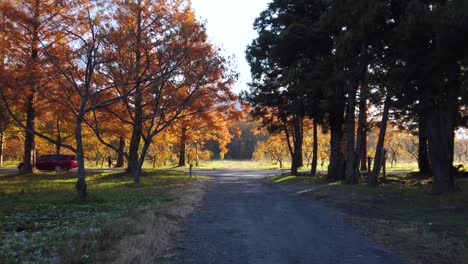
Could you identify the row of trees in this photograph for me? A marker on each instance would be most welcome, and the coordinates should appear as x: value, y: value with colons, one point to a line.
x: 400, y: 146
x: 331, y: 60
x: 118, y: 71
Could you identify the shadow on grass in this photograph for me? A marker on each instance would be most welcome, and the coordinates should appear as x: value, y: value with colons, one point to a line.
x: 40, y: 213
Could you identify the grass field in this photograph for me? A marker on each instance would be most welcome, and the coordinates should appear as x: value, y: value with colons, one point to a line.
x: 405, y: 217
x: 42, y: 221
x: 403, y: 166
x: 406, y: 166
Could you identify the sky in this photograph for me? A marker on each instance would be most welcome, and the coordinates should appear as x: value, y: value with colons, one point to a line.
x: 229, y: 24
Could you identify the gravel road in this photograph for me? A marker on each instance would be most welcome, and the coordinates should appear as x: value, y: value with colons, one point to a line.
x: 246, y: 219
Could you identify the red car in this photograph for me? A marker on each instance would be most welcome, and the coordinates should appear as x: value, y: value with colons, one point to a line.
x: 54, y: 163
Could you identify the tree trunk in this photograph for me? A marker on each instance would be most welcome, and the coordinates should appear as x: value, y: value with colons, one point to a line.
x: 133, y: 157
x: 296, y: 151
x: 182, y: 150
x: 196, y: 155
x: 361, y: 135
x: 336, y: 167
x: 138, y: 170
x: 2, y: 147
x: 29, y: 142
x: 313, y: 171
x: 350, y: 140
x: 423, y: 155
x: 363, y: 131
x: 59, y: 137
x: 300, y: 162
x: 373, y: 176
x: 81, y: 183
x: 440, y: 132
x: 120, y: 157
x: 384, y: 165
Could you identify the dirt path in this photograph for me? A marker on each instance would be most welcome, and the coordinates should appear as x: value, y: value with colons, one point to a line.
x: 245, y: 219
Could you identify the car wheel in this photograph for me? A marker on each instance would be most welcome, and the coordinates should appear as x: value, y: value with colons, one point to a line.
x: 58, y: 168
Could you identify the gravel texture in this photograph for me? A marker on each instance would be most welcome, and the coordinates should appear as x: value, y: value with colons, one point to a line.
x: 247, y: 219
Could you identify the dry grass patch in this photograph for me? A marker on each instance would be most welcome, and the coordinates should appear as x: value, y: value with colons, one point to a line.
x: 413, y: 240
x: 153, y: 228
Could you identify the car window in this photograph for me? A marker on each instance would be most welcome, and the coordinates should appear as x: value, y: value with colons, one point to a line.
x: 44, y: 158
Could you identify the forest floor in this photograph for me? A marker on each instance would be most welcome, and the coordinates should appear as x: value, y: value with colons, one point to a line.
x: 401, y: 215
x: 42, y: 220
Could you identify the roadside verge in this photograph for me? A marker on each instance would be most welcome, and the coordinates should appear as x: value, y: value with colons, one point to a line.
x: 402, y: 216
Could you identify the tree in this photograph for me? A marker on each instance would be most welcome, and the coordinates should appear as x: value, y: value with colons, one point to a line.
x: 461, y: 149
x: 81, y: 90
x: 274, y: 149
x: 433, y: 54
x: 32, y: 26
x: 311, y: 145
x: 210, y: 120
x: 280, y: 74
x: 172, y: 65
x: 246, y: 136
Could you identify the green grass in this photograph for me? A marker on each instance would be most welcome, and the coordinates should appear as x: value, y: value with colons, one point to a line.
x: 406, y: 166
x: 409, y: 166
x: 301, y: 178
x: 10, y: 164
x: 239, y: 164
x: 40, y: 215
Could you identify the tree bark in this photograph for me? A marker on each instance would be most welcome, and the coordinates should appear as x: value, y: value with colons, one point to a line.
x: 423, y: 155
x: 440, y: 124
x: 2, y: 147
x: 81, y: 183
x: 313, y: 171
x: 295, y: 149
x: 373, y: 176
x: 439, y: 141
x: 300, y: 162
x: 363, y: 131
x: 182, y: 150
x: 350, y: 140
x: 59, y: 137
x: 133, y: 157
x: 120, y: 158
x: 29, y: 142
x: 361, y: 135
x: 336, y: 168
